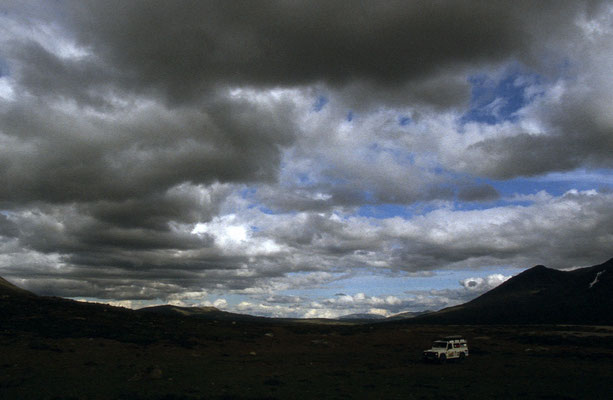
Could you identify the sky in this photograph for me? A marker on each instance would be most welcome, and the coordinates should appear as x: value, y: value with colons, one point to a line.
x: 302, y: 158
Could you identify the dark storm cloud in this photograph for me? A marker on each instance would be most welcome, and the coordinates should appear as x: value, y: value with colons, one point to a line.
x: 7, y: 227
x: 58, y: 157
x: 66, y: 231
x: 48, y: 76
x: 181, y: 48
x: 182, y: 204
x: 581, y: 145
x: 525, y: 155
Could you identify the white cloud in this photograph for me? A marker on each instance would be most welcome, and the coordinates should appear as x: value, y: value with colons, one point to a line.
x: 379, y: 311
x: 220, y: 303
x: 483, y: 284
x: 233, y: 236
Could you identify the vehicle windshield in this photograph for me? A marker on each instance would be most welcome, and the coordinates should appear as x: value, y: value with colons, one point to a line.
x: 439, y: 345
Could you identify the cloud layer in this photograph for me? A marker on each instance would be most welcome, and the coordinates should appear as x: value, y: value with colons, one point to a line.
x: 152, y: 149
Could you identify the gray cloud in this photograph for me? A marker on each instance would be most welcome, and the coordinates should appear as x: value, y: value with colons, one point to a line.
x: 149, y: 148
x: 179, y: 49
x: 55, y: 156
x: 478, y: 193
x: 7, y: 227
x: 182, y: 49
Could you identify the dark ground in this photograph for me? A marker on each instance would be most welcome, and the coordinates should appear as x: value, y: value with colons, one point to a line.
x: 282, y: 360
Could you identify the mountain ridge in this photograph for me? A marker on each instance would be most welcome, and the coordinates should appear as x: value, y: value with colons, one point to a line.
x: 8, y: 289
x: 539, y: 295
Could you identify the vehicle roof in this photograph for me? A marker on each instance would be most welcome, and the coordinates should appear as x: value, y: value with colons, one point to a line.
x: 453, y: 337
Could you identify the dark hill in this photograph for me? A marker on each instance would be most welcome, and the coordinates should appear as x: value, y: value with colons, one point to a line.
x: 208, y: 313
x: 407, y: 315
x: 23, y: 312
x: 539, y: 295
x: 168, y: 309
x: 362, y: 317
x: 8, y: 289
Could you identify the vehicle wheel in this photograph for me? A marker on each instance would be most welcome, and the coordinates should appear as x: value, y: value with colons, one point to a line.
x: 462, y: 357
x: 442, y: 359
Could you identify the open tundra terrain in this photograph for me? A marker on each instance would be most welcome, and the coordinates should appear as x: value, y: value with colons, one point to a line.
x: 221, y: 360
x: 55, y: 348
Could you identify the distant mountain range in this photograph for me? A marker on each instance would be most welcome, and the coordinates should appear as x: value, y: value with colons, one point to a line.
x: 407, y: 315
x: 209, y: 313
x: 362, y: 317
x: 370, y: 317
x: 539, y: 295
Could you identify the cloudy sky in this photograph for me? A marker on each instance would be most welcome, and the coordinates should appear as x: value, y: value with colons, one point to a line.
x: 302, y: 158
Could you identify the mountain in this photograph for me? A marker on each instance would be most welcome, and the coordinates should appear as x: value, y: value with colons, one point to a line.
x: 361, y: 317
x: 8, y: 289
x: 208, y: 313
x: 168, y: 309
x: 539, y: 295
x: 407, y: 315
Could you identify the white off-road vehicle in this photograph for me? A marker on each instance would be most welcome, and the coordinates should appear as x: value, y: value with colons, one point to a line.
x: 449, y: 347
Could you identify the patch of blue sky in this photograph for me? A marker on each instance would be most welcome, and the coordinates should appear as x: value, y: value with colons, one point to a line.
x: 497, y: 100
x: 373, y: 283
x: 477, y: 205
x: 233, y: 299
x: 4, y: 67
x: 248, y: 192
x: 383, y: 282
x: 528, y: 186
x: 403, y: 120
x: 320, y: 103
x: 450, y: 279
x: 383, y: 211
x: 400, y: 155
x: 368, y: 196
x: 439, y: 170
x: 391, y: 210
x: 267, y: 210
x: 556, y: 184
x: 596, y: 177
x: 318, y: 290
x: 304, y: 179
